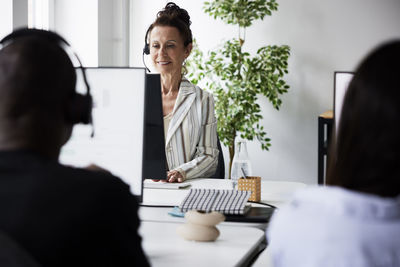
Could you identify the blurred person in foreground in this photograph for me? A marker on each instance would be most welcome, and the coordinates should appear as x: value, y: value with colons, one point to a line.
x: 354, y: 221
x: 61, y: 216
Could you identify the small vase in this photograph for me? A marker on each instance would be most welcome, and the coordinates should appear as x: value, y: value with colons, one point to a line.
x: 241, y: 165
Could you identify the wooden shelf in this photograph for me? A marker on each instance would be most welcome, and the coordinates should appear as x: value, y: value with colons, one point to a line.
x: 327, y: 114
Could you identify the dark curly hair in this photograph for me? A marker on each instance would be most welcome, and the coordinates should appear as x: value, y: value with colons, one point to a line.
x: 174, y: 16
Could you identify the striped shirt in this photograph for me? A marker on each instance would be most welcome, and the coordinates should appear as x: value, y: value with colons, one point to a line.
x: 191, y: 142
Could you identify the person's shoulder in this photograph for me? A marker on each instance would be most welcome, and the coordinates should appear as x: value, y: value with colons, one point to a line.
x: 306, y: 204
x: 204, y: 94
x: 315, y: 207
x: 321, y: 218
x: 302, y: 219
x: 186, y: 85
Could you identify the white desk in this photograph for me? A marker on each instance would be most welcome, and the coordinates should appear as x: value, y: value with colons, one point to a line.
x: 233, y: 247
x: 237, y: 243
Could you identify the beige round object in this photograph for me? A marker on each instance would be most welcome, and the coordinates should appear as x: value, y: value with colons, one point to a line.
x: 206, y: 219
x: 198, y: 232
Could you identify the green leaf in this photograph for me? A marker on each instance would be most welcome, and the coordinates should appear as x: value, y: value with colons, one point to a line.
x: 240, y: 12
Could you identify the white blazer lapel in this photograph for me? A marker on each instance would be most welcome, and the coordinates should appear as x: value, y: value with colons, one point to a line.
x: 185, y: 98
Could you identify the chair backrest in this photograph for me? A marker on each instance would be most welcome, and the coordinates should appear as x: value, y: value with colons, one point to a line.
x: 220, y: 172
x: 14, y: 255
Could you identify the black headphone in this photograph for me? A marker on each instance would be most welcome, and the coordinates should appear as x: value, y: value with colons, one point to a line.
x: 80, y: 108
x: 146, y: 48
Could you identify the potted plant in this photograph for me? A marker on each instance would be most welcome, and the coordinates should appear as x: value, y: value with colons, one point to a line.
x: 237, y: 78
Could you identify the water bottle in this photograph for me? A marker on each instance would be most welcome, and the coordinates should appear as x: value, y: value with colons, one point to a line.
x: 241, y: 166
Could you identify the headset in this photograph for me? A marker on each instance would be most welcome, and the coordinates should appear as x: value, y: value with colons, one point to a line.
x: 146, y: 48
x: 80, y: 108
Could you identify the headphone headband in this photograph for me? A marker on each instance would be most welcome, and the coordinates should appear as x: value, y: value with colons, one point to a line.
x: 26, y: 32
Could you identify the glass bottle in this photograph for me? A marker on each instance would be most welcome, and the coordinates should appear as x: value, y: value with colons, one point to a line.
x: 241, y: 166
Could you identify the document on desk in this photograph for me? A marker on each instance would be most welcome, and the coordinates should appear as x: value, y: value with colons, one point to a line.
x: 148, y: 183
x: 225, y: 201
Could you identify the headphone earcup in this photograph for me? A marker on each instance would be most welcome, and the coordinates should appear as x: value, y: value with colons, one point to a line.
x: 80, y: 109
x: 146, y: 49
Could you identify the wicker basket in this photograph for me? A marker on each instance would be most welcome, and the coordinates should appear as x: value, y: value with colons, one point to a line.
x: 253, y: 184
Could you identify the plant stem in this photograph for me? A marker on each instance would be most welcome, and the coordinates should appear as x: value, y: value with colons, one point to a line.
x: 231, y: 153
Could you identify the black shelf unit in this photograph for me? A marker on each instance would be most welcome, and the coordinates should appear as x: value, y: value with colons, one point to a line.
x: 325, y: 124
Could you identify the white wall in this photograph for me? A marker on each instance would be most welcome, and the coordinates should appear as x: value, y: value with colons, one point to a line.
x: 324, y: 36
x: 98, y: 30
x: 20, y: 13
x: 77, y: 22
x: 113, y: 33
x: 13, y: 14
x: 6, y: 18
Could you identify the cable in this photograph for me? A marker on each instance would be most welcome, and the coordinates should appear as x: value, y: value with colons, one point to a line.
x: 156, y: 206
x: 262, y: 203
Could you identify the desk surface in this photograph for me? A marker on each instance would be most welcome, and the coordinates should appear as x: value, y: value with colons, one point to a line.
x: 276, y: 193
x: 233, y: 247
x: 237, y: 243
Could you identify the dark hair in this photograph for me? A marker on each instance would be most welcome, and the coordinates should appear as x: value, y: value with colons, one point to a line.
x: 174, y: 16
x: 36, y: 78
x: 366, y: 154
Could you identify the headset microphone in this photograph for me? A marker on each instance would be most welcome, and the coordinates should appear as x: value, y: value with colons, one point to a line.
x: 146, y: 49
x: 144, y: 62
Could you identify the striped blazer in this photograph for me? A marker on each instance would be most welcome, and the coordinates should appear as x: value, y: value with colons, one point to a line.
x: 191, y: 142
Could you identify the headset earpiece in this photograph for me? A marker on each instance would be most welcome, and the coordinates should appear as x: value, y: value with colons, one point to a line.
x: 81, y: 105
x: 80, y: 109
x: 146, y: 48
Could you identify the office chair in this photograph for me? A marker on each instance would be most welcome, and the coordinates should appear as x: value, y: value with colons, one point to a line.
x: 220, y: 172
x: 14, y: 255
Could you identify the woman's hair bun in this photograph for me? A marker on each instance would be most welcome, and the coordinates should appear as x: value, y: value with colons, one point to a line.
x: 173, y: 11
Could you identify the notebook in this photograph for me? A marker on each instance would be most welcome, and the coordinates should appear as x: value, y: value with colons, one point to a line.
x: 224, y: 201
x: 148, y: 183
x: 253, y: 215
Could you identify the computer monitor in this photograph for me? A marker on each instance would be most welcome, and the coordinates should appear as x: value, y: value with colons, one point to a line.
x: 342, y: 80
x: 118, y: 120
x: 154, y: 160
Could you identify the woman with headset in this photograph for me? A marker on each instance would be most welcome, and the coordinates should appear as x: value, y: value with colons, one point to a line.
x: 189, y: 121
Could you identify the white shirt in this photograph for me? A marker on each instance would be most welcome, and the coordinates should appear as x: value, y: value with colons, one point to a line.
x: 331, y: 226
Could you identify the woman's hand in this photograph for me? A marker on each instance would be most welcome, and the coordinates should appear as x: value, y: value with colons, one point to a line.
x: 175, y: 176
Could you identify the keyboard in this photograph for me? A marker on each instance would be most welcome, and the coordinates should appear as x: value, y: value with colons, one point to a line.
x: 148, y: 183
